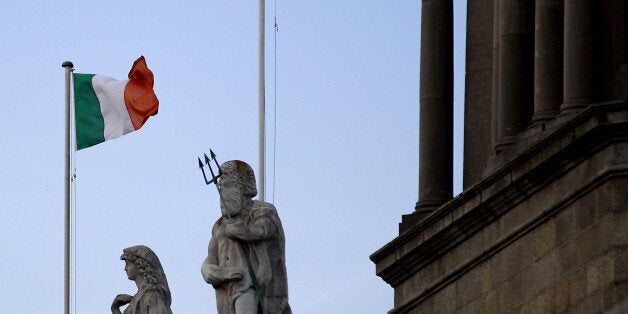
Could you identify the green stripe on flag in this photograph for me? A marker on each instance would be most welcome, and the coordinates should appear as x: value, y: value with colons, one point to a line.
x: 90, y: 126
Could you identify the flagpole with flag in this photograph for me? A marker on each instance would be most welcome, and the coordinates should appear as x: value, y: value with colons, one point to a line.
x: 69, y: 67
x: 104, y: 109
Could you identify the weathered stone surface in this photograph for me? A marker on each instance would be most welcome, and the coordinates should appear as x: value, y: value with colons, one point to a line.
x: 479, y: 73
x: 545, y: 206
x: 544, y: 239
x: 246, y: 256
x: 580, y: 87
x: 153, y: 294
x: 533, y: 240
x: 436, y: 105
x: 445, y: 298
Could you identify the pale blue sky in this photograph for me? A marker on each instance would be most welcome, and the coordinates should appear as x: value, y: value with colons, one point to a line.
x: 346, y: 158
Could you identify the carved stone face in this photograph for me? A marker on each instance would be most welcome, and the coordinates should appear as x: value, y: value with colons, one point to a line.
x: 131, y: 269
x: 232, y: 195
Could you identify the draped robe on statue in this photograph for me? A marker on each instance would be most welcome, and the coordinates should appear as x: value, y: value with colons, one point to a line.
x: 150, y: 299
x: 263, y: 242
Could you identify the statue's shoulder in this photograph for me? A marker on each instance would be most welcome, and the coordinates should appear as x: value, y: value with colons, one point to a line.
x: 264, y: 209
x: 219, y: 222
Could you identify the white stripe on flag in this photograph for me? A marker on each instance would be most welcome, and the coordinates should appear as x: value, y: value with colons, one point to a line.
x: 110, y: 93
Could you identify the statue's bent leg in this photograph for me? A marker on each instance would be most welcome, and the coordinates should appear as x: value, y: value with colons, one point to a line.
x: 246, y: 303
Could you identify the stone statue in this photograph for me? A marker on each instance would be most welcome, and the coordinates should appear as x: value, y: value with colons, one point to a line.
x: 247, y: 240
x: 153, y: 294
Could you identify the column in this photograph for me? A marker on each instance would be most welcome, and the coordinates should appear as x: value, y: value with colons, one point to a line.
x: 436, y: 105
x: 495, y: 81
x: 548, y: 59
x: 478, y: 145
x: 515, y: 71
x: 579, y: 56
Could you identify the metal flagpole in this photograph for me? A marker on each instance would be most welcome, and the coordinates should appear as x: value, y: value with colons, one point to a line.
x: 262, y: 104
x: 66, y: 269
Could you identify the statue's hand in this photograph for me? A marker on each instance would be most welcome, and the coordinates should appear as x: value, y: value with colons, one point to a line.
x: 235, y: 274
x: 120, y: 300
x: 212, y: 274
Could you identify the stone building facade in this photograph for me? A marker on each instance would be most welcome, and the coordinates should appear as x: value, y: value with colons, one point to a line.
x: 542, y: 222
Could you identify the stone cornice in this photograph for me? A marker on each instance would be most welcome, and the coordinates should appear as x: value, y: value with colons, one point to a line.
x: 536, y: 165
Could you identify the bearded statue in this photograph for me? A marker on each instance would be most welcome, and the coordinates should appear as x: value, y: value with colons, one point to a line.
x: 246, y: 256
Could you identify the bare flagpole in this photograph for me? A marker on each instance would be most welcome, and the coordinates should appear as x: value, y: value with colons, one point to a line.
x: 66, y: 265
x: 262, y: 104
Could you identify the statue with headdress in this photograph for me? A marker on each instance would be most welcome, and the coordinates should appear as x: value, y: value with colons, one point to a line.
x: 246, y: 256
x: 153, y: 294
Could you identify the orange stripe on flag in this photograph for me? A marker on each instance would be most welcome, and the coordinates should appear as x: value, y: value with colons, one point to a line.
x: 140, y: 99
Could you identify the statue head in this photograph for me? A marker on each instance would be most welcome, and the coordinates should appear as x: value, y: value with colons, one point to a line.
x: 237, y: 185
x: 142, y: 261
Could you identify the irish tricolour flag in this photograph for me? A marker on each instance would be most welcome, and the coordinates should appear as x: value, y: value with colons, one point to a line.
x: 106, y: 108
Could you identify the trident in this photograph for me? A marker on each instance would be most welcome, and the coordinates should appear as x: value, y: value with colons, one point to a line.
x: 200, y: 165
x: 214, y: 180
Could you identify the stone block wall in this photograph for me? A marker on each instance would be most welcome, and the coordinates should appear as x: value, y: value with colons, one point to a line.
x: 546, y: 232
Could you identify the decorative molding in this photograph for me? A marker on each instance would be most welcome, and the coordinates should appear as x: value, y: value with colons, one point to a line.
x: 537, y: 165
